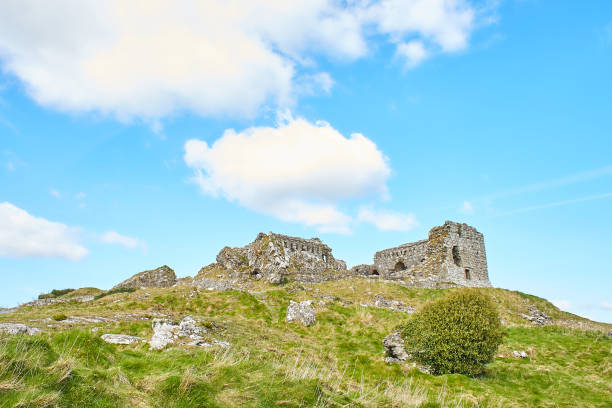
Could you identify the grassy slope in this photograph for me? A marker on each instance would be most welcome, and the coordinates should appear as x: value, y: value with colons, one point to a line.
x: 336, y: 362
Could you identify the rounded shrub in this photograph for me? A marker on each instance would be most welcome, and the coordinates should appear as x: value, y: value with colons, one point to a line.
x: 457, y: 334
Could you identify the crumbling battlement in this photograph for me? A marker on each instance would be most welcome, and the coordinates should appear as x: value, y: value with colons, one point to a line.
x: 454, y: 254
x: 278, y: 258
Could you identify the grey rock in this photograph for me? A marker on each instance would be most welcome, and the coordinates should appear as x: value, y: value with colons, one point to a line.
x: 163, y: 334
x: 18, y: 328
x: 536, y: 316
x: 162, y: 277
x: 391, y: 304
x: 519, y: 354
x: 394, y: 348
x: 302, y: 312
x: 120, y: 339
x: 166, y: 332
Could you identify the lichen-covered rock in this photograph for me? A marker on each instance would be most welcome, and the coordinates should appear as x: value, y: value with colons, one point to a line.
x: 18, y: 328
x: 394, y: 348
x: 302, y: 312
x: 162, y: 277
x: 166, y: 332
x: 232, y: 259
x: 120, y: 339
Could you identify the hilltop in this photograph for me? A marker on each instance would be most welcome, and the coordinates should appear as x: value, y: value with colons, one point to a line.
x: 281, y: 322
x: 251, y: 356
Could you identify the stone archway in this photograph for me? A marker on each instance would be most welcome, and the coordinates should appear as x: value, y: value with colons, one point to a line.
x: 399, y: 266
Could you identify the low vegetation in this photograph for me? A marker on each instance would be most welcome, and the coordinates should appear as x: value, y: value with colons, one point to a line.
x: 55, y: 293
x: 337, y: 362
x: 114, y: 291
x: 457, y: 334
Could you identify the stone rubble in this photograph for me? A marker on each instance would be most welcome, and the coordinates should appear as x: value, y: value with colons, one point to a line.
x: 18, y: 328
x: 536, y: 316
x: 121, y: 339
x: 302, y: 312
x: 391, y: 304
x: 394, y: 348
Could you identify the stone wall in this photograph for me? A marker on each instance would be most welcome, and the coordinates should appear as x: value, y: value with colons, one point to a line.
x: 454, y: 254
x: 277, y: 258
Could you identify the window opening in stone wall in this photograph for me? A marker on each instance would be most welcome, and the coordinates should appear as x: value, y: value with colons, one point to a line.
x: 456, y: 256
x: 374, y: 272
x: 400, y: 266
x: 468, y: 274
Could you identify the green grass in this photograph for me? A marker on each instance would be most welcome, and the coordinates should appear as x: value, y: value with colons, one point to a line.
x: 335, y: 363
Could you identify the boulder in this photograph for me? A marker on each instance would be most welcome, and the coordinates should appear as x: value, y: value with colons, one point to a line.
x: 166, y: 332
x: 519, y: 354
x: 18, y: 328
x: 120, y: 339
x: 303, y: 312
x: 394, y: 348
x: 162, y: 277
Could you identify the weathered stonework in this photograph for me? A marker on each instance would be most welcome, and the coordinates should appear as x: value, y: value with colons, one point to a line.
x: 162, y: 277
x: 453, y: 255
x: 278, y: 258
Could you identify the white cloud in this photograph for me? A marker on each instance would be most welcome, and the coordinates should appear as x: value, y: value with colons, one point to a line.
x: 112, y: 237
x: 297, y: 171
x: 55, y: 193
x: 151, y: 59
x: 466, y: 208
x: 387, y: 220
x: 447, y: 24
x: 562, y: 304
x: 412, y: 52
x: 23, y: 235
x: 606, y: 305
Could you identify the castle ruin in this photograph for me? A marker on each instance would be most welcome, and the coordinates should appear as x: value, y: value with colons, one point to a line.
x: 453, y: 255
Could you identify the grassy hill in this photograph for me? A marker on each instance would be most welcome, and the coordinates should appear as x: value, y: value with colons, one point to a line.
x: 338, y: 362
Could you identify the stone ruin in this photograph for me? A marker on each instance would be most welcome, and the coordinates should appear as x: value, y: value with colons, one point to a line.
x: 453, y: 255
x: 278, y: 258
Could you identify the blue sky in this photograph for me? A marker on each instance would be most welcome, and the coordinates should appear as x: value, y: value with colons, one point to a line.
x: 132, y: 138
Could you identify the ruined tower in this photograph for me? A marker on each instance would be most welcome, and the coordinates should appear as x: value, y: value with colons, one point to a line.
x: 454, y: 254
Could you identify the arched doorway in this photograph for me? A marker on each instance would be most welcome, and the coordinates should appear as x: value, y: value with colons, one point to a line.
x: 399, y: 266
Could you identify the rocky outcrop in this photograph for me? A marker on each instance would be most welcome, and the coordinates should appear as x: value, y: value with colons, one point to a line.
x: 18, y: 328
x: 277, y: 258
x: 394, y: 348
x: 120, y: 339
x: 162, y: 277
x: 302, y: 312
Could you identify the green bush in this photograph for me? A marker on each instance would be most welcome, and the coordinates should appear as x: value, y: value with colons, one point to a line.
x: 55, y: 293
x: 457, y: 334
x: 113, y: 291
x: 59, y: 317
